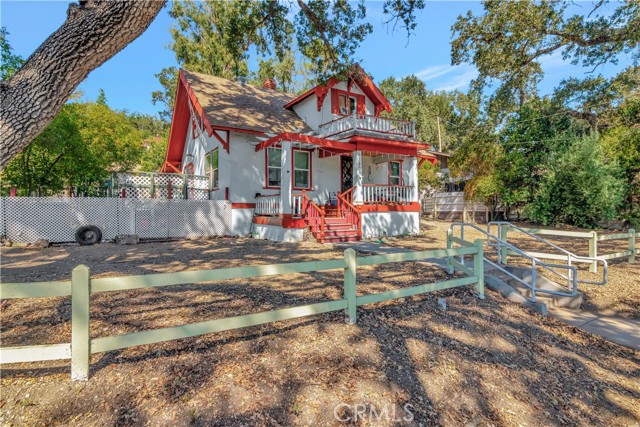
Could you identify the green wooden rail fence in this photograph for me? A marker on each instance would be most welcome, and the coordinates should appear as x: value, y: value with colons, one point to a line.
x: 630, y: 236
x: 81, y: 286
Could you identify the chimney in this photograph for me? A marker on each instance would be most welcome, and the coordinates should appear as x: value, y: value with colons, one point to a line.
x: 269, y: 84
x: 241, y: 79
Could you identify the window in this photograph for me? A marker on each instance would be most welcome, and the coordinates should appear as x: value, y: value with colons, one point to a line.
x: 211, y: 167
x: 274, y: 170
x: 395, y: 172
x: 301, y: 169
x: 347, y: 104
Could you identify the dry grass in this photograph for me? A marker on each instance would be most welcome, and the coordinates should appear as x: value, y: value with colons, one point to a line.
x: 486, y: 362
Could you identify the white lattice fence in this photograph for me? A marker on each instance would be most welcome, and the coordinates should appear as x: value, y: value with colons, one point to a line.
x: 145, y: 185
x: 26, y: 219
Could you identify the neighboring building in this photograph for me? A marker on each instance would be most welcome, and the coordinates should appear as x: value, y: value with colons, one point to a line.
x: 324, y: 160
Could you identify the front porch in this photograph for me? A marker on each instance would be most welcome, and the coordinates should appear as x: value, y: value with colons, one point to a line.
x: 351, y: 195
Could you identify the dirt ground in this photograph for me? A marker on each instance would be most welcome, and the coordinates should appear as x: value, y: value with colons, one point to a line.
x: 406, y: 362
x: 619, y: 297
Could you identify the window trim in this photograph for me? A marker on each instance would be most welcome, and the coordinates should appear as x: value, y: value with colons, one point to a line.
x: 211, y: 170
x: 361, y: 103
x: 266, y: 168
x: 399, y: 162
x: 293, y: 168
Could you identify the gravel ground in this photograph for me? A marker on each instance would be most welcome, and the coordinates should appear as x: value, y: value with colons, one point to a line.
x: 619, y: 297
x: 477, y: 363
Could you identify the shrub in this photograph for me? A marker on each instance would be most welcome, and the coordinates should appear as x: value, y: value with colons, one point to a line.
x: 579, y: 187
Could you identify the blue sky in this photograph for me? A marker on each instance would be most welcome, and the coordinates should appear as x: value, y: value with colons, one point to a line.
x: 128, y: 78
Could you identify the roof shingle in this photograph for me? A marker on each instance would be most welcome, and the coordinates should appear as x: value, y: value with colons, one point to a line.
x: 243, y: 106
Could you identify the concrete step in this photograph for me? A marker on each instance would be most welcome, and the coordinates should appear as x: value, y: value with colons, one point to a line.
x: 542, y: 284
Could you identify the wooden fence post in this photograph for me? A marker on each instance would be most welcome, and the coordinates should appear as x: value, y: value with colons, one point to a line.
x: 152, y: 186
x: 435, y: 206
x: 350, y: 280
x: 80, y: 339
x: 593, y: 251
x: 449, y: 246
x: 632, y: 245
x: 478, y: 268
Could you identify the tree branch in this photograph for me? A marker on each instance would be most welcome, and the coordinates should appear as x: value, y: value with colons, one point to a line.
x: 94, y: 31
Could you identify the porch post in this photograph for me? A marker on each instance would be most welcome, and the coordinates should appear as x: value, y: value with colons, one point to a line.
x: 413, y: 178
x: 357, y: 177
x: 285, y: 178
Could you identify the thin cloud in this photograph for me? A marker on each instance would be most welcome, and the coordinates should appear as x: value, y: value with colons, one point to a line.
x: 434, y: 71
x: 458, y: 82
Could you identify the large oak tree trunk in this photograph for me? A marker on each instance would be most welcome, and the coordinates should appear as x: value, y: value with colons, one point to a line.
x: 95, y: 30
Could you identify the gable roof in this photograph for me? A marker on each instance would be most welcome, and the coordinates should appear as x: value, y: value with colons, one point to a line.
x: 230, y: 104
x: 363, y: 81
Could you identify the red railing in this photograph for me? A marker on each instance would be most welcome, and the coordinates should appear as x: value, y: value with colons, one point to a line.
x: 314, y: 215
x: 349, y: 211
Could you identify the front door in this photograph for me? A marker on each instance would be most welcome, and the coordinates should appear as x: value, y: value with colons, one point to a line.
x: 346, y: 173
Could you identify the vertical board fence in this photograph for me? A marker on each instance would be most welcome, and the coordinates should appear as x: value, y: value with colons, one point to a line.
x: 454, y: 207
x: 82, y: 286
x: 27, y: 219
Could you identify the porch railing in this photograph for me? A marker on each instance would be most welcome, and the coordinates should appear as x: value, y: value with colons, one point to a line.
x: 380, y: 194
x: 314, y: 214
x: 368, y: 123
x: 268, y: 205
x: 297, y: 200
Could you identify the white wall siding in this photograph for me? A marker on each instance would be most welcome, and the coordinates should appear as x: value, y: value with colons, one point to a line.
x: 241, y: 221
x: 380, y: 224
x: 278, y: 234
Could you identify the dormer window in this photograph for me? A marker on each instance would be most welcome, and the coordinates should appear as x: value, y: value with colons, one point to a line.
x: 348, y: 104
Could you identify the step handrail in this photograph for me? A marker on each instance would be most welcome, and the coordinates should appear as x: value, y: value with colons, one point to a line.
x: 349, y: 211
x: 570, y: 255
x: 313, y: 214
x: 535, y: 263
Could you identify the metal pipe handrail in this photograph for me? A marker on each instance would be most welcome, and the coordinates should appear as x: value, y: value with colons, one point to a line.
x: 571, y: 278
x: 570, y: 255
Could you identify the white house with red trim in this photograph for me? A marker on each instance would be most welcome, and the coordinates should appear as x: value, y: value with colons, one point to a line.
x: 323, y: 161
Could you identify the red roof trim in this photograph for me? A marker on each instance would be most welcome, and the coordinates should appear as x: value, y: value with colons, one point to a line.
x: 178, y: 131
x: 366, y: 85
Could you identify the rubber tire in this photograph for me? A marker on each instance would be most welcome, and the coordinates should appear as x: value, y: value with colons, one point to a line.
x: 88, y: 235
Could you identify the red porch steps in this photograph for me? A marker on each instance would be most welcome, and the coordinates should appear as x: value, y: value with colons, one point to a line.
x: 338, y: 230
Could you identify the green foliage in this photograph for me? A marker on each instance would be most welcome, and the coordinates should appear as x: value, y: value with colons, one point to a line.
x: 154, y: 155
x: 529, y: 140
x: 168, y: 79
x: 102, y: 98
x: 427, y: 177
x: 411, y: 100
x: 77, y: 152
x: 509, y: 40
x: 578, y: 187
x: 9, y: 62
x: 292, y: 73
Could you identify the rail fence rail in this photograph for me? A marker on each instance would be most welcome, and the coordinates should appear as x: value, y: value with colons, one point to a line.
x: 630, y: 236
x: 81, y: 286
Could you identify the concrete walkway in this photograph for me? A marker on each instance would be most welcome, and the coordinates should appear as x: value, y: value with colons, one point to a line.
x: 619, y: 330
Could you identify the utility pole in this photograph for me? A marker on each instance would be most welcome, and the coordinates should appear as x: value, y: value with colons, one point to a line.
x: 439, y: 137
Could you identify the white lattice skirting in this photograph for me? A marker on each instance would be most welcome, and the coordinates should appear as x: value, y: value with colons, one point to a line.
x: 27, y: 219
